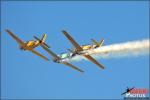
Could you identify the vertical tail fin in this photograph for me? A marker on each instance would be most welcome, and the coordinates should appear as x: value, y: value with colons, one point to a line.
x: 99, y: 44
x: 43, y: 38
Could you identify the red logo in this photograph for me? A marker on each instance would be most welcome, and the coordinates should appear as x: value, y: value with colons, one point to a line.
x: 135, y: 93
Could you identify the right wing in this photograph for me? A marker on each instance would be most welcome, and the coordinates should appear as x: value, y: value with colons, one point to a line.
x: 50, y: 52
x: 94, y: 61
x: 38, y: 54
x: 15, y: 37
x: 72, y: 66
x: 75, y: 44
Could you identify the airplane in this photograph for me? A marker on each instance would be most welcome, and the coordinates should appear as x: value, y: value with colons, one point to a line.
x: 127, y: 90
x: 79, y: 49
x: 87, y: 47
x: 30, y: 45
x: 61, y: 58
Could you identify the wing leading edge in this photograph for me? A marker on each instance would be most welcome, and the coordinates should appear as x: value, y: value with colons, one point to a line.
x: 15, y: 37
x: 75, y: 44
x: 38, y: 54
x: 94, y: 61
x: 72, y: 66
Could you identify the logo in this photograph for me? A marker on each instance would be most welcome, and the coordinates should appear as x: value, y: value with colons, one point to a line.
x: 135, y: 93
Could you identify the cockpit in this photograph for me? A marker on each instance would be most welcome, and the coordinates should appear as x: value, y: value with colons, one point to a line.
x: 30, y: 41
x: 64, y: 55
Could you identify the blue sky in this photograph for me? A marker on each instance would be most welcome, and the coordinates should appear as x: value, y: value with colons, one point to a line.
x: 24, y: 75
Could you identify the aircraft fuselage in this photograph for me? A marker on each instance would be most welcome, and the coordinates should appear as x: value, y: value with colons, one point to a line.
x: 60, y: 60
x: 84, y: 47
x: 29, y: 45
x: 88, y: 47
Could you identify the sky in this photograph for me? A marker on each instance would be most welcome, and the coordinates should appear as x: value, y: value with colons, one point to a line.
x: 27, y: 76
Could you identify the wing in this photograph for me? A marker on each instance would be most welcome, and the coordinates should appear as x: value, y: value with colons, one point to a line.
x: 15, y: 37
x: 94, y: 61
x: 75, y: 44
x: 50, y: 52
x: 38, y: 54
x: 72, y: 66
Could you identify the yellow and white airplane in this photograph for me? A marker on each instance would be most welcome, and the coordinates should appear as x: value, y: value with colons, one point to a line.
x: 87, y: 47
x: 30, y: 45
x: 79, y: 49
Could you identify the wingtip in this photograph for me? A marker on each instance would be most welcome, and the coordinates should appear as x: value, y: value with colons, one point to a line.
x: 63, y: 31
x: 47, y: 60
x: 6, y: 30
x: 103, y: 68
x: 81, y: 71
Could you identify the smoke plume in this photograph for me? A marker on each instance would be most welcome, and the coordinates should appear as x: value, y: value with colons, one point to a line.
x: 127, y: 49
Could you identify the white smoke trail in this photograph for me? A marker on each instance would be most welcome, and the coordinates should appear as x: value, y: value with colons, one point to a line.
x: 127, y: 49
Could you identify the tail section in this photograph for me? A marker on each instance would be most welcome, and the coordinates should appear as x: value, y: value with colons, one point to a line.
x: 43, y: 38
x: 99, y: 44
x: 70, y: 50
x: 42, y: 41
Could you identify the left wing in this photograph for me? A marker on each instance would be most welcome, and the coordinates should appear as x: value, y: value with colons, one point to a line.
x: 72, y: 66
x: 38, y: 54
x: 94, y: 61
x: 75, y: 44
x: 15, y: 37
